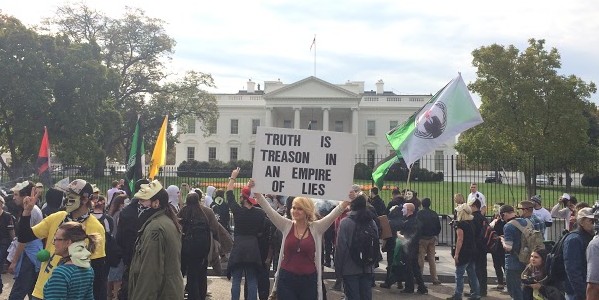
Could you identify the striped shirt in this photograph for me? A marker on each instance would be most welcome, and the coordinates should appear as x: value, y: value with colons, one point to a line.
x: 70, y: 282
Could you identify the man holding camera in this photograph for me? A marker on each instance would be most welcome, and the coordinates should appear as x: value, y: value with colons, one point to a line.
x: 568, y: 204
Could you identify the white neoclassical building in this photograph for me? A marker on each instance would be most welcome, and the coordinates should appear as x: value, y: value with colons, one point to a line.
x: 309, y: 103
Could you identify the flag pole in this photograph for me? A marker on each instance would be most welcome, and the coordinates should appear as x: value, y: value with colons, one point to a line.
x: 409, y: 175
x: 315, y: 55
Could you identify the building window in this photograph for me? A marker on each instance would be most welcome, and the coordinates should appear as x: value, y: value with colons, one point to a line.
x: 191, y: 153
x: 233, y: 154
x: 313, y: 125
x: 191, y: 126
x: 253, y: 152
x: 339, y: 126
x: 255, y: 124
x: 371, y: 129
x: 211, y: 153
x: 212, y: 127
x: 234, y: 126
x: 393, y: 124
x: 370, y: 158
x: 287, y: 124
x: 439, y: 161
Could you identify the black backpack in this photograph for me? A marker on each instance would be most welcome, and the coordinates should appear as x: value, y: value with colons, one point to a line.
x: 196, y: 239
x: 554, y: 263
x: 365, y: 247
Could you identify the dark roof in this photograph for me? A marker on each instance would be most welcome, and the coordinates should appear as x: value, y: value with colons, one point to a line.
x: 385, y: 93
x: 244, y: 92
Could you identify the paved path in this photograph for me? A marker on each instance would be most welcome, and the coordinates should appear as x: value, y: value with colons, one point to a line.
x: 220, y: 287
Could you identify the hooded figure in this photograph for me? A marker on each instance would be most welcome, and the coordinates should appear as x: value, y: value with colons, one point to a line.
x: 208, y: 198
x: 173, y: 196
x: 54, y: 200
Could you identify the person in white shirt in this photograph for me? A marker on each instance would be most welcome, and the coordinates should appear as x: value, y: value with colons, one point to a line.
x: 542, y: 213
x: 110, y: 193
x: 474, y: 195
x: 565, y: 212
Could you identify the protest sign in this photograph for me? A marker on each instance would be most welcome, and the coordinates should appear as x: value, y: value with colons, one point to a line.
x: 293, y: 162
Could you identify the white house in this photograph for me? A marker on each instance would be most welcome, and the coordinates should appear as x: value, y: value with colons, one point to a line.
x: 309, y: 103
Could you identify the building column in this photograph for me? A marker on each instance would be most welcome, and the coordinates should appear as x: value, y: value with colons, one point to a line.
x: 296, y: 117
x: 354, y: 120
x: 268, y: 120
x: 325, y: 118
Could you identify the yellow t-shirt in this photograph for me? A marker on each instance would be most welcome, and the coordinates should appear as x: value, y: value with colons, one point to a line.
x: 46, y: 229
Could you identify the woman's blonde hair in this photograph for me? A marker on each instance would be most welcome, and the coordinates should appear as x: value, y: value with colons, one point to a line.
x: 307, y: 205
x: 459, y: 198
x: 464, y: 212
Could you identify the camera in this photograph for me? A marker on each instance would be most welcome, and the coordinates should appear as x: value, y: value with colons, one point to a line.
x: 528, y: 280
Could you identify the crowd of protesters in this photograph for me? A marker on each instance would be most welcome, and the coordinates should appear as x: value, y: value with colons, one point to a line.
x: 84, y: 245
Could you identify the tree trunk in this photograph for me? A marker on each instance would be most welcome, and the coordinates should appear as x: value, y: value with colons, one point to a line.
x: 568, y: 180
x: 529, y: 183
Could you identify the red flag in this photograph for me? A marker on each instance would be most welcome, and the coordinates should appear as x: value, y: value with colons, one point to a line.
x: 43, y: 160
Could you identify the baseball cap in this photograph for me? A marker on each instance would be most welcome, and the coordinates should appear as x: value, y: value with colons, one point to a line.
x: 586, y: 212
x: 246, y: 191
x: 536, y: 199
x: 566, y: 196
x: 19, y: 186
x: 39, y: 185
x: 526, y: 205
x: 147, y: 191
x: 80, y: 187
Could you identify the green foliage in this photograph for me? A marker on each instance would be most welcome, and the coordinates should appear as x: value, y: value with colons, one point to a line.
x: 362, y: 171
x: 529, y: 110
x: 88, y: 82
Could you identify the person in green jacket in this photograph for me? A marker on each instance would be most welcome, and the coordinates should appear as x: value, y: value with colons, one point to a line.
x: 155, y: 271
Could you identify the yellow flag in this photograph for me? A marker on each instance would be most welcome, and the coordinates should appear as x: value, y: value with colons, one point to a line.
x: 159, y: 154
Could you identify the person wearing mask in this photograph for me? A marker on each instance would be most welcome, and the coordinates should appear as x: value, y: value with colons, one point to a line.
x: 209, y: 194
x: 299, y: 267
x: 127, y: 228
x: 77, y: 209
x: 430, y: 229
x: 465, y: 250
x: 221, y: 209
x: 73, y: 278
x: 410, y: 232
x: 54, y: 199
x: 174, y: 197
x: 155, y: 271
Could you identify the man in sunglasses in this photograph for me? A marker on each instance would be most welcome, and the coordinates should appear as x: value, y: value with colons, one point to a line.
x: 526, y: 208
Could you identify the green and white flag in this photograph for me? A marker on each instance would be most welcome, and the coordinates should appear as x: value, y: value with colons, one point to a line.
x: 381, y: 169
x: 450, y: 112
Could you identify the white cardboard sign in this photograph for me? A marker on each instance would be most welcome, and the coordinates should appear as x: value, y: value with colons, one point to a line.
x: 294, y: 162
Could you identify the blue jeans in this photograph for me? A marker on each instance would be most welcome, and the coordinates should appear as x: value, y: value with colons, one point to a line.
x: 295, y: 287
x: 514, y: 283
x: 470, y: 269
x: 25, y: 283
x: 250, y: 279
x: 358, y: 287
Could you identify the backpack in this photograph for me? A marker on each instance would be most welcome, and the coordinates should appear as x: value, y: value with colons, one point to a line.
x: 364, y: 249
x: 530, y: 240
x: 196, y: 239
x: 490, y: 239
x: 554, y: 263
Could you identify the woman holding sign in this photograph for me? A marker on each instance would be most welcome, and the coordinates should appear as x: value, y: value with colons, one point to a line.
x: 299, y: 268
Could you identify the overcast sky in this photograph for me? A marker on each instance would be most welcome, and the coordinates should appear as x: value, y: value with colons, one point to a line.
x: 415, y: 47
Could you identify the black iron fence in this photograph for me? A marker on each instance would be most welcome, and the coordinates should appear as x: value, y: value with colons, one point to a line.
x: 437, y: 177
